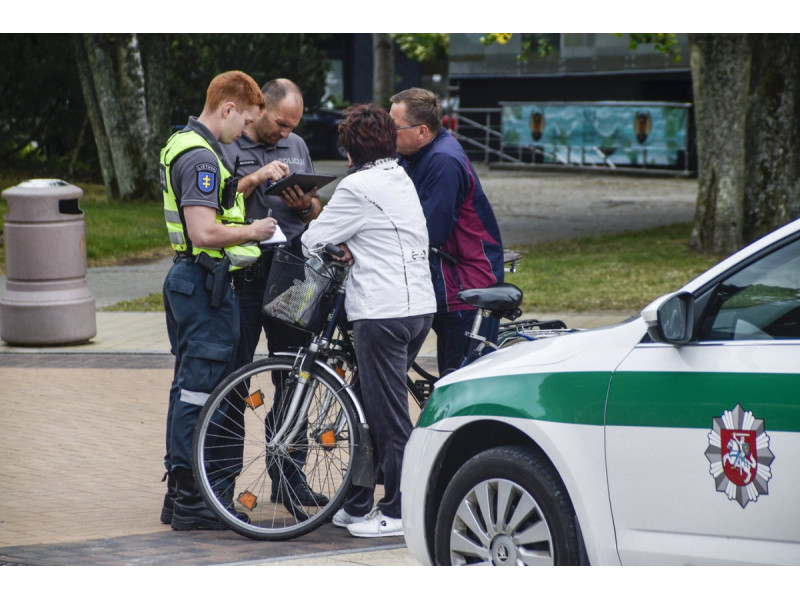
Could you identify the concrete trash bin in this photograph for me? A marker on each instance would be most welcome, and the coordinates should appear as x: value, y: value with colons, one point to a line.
x: 46, y: 300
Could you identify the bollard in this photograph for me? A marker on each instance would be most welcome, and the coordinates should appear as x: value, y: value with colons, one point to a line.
x: 46, y: 300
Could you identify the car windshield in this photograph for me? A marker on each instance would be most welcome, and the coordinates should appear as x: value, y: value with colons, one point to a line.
x: 759, y: 302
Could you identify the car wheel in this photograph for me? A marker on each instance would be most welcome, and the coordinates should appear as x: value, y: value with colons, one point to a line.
x: 506, y: 506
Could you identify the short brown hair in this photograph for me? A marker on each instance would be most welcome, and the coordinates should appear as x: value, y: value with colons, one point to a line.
x: 368, y: 133
x: 276, y: 90
x: 423, y: 107
x: 236, y: 87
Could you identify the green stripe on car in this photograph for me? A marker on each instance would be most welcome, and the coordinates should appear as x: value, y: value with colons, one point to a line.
x: 691, y: 400
x: 577, y: 398
x: 641, y: 399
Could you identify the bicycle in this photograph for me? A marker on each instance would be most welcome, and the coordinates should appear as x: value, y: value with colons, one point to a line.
x: 501, y: 301
x: 295, y: 416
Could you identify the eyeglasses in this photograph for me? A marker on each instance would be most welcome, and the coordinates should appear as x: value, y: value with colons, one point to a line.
x: 409, y: 127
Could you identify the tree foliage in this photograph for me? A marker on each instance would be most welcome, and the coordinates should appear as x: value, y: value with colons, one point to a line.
x: 111, y: 121
x: 42, y: 113
x: 196, y: 58
x: 666, y: 43
x: 423, y: 47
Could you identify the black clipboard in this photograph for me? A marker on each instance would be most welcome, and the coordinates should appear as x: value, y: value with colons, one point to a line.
x: 306, y: 181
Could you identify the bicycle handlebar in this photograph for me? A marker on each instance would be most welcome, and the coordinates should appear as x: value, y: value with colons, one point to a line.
x: 334, y: 250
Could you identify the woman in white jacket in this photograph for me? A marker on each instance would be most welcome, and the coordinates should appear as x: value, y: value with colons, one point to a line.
x: 375, y: 216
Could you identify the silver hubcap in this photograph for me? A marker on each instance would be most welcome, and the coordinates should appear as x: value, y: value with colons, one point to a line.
x: 499, y: 523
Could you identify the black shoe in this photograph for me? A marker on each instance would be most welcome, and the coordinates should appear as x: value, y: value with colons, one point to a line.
x: 193, y: 517
x: 299, y: 493
x: 169, y: 499
x: 167, y: 509
x: 190, y: 511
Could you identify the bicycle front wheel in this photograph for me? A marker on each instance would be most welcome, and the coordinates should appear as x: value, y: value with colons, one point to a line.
x: 267, y: 469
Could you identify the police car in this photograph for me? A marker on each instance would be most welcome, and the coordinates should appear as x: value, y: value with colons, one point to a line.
x: 672, y: 438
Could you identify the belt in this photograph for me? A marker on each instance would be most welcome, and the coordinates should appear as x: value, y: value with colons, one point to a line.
x: 260, y: 269
x: 179, y: 256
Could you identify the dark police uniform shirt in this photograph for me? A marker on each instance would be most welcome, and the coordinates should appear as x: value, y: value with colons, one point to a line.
x: 196, y: 174
x: 253, y: 155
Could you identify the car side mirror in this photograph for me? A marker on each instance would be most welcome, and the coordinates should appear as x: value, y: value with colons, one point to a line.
x: 670, y: 319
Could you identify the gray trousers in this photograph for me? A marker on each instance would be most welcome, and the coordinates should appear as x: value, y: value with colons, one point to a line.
x: 385, y: 349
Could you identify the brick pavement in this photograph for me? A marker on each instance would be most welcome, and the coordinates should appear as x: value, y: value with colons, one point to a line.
x: 82, y: 450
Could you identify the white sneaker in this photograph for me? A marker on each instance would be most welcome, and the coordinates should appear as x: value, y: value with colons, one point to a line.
x: 342, y: 518
x: 376, y: 524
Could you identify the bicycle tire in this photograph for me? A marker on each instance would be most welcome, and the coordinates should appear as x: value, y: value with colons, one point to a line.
x: 235, y: 467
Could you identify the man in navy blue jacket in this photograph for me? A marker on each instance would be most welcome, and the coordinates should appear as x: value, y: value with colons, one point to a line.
x: 460, y: 219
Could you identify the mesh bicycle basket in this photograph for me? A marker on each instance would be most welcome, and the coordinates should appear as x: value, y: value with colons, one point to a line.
x: 298, y: 294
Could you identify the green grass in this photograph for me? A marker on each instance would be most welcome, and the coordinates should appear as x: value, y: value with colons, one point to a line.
x: 116, y: 232
x: 149, y: 303
x: 608, y: 272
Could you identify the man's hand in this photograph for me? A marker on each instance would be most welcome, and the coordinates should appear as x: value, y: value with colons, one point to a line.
x: 206, y: 232
x: 270, y: 172
x: 297, y: 200
x: 273, y: 171
x: 263, y: 229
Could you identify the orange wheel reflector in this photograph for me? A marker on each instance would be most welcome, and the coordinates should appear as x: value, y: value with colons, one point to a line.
x: 328, y: 439
x: 255, y: 399
x: 248, y: 500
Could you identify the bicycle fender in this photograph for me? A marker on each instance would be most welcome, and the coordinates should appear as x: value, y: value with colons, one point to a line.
x: 364, y: 459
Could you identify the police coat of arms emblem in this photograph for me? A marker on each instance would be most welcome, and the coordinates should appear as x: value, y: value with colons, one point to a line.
x: 739, y: 455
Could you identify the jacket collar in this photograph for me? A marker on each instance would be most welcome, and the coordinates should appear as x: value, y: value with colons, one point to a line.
x: 419, y: 154
x: 247, y: 142
x: 206, y: 134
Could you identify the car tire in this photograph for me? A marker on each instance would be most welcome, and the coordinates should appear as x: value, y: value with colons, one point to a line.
x: 506, y: 506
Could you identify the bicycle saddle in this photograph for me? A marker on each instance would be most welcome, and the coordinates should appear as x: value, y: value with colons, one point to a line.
x: 501, y: 298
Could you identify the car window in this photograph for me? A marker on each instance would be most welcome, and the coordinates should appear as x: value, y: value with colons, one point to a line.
x: 759, y: 302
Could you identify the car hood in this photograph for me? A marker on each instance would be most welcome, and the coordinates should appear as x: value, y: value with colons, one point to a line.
x: 600, y: 349
x: 561, y: 379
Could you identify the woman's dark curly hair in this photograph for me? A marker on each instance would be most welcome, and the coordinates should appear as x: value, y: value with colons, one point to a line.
x: 368, y: 133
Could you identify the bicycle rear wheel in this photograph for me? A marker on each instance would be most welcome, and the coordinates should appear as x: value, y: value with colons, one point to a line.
x: 262, y: 487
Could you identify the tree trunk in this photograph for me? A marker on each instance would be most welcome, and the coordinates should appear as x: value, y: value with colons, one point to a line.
x: 382, y: 68
x: 95, y: 117
x: 773, y: 126
x: 720, y: 66
x: 129, y: 119
x: 101, y: 50
x: 747, y: 116
x: 155, y: 52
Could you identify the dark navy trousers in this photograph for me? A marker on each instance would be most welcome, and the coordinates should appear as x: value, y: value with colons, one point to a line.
x: 385, y: 349
x: 451, y: 339
x: 204, y: 341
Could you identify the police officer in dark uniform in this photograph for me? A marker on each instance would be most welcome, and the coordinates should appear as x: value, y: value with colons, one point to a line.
x: 205, y: 214
x: 268, y: 139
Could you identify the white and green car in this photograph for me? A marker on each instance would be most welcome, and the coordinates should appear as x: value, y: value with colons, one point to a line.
x: 673, y: 438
